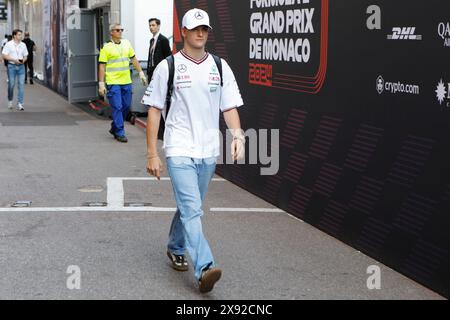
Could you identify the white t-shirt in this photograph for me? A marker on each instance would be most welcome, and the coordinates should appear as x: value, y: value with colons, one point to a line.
x: 14, y: 50
x: 192, y: 125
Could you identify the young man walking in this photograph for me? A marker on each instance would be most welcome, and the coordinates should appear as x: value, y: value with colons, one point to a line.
x: 191, y: 139
x: 16, y: 53
x: 115, y: 77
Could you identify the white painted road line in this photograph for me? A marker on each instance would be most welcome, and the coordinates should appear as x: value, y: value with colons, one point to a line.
x: 89, y: 209
x: 115, y: 198
x: 162, y: 179
x: 246, y: 210
x: 116, y: 195
x: 116, y: 202
x: 131, y: 209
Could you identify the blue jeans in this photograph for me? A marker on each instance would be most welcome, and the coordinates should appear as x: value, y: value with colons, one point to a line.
x: 190, y: 180
x: 119, y: 97
x: 16, y: 71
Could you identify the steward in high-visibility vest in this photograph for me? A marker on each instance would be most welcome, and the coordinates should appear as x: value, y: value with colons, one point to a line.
x: 115, y: 78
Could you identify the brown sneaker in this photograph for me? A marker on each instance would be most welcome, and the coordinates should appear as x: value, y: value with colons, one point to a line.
x: 179, y: 263
x: 209, y: 279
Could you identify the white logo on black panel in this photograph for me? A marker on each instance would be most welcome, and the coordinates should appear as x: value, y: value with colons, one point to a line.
x: 374, y: 20
x: 444, y: 33
x: 443, y: 93
x: 199, y: 15
x: 397, y: 87
x: 405, y: 33
x: 182, y: 68
x: 380, y: 84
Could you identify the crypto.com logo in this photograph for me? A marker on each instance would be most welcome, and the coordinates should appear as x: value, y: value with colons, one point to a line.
x: 380, y: 84
x: 396, y: 87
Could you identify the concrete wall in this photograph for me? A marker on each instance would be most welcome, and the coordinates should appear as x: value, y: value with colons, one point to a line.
x: 114, y: 7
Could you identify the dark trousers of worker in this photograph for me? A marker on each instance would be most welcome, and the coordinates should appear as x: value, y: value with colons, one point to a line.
x: 119, y: 97
x: 29, y: 66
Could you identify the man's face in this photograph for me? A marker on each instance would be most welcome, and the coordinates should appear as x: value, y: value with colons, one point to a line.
x: 154, y: 28
x: 197, y: 37
x: 117, y: 32
x: 18, y: 36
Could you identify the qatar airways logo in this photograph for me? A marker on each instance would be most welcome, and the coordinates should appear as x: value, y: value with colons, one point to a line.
x: 444, y: 33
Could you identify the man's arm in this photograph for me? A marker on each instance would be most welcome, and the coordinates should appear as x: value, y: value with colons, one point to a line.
x: 138, y: 67
x: 101, y: 72
x: 101, y: 79
x: 9, y: 58
x: 136, y: 64
x: 154, y: 164
x: 234, y: 124
x: 6, y: 56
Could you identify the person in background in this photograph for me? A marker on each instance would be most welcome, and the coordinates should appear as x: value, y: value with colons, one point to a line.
x: 159, y: 47
x: 31, y: 47
x: 115, y: 78
x: 4, y: 41
x: 159, y: 50
x: 16, y: 53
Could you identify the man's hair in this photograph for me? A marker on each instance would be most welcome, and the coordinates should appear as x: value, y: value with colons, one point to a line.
x: 27, y: 34
x: 158, y: 22
x: 16, y: 31
x: 6, y: 35
x: 113, y: 26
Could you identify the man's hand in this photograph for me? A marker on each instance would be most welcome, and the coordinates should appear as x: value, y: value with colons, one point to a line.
x: 238, y: 145
x: 101, y: 89
x: 143, y: 78
x: 154, y: 166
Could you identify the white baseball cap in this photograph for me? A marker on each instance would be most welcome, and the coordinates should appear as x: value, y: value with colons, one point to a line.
x: 194, y: 18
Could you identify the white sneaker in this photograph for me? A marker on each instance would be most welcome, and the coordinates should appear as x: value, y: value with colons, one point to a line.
x: 10, y: 105
x: 20, y: 107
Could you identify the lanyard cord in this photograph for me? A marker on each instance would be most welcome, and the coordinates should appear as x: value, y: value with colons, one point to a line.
x: 120, y: 52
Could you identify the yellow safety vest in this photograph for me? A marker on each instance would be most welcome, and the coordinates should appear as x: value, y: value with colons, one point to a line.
x: 117, y: 59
